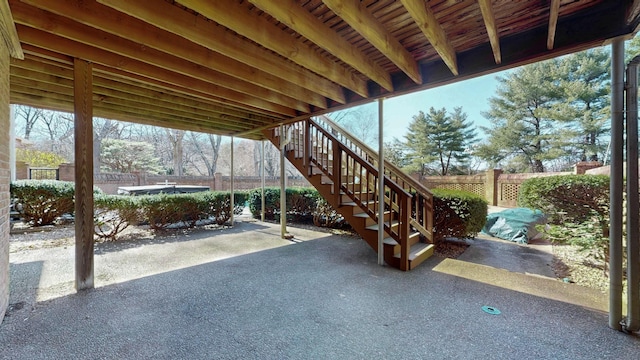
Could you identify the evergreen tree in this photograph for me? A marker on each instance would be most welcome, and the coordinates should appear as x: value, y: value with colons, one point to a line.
x: 528, y: 124
x: 127, y: 156
x: 438, y: 141
x: 586, y: 85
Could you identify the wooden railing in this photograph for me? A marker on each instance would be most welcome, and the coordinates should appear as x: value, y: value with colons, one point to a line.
x: 422, y: 202
x: 352, y: 174
x: 352, y: 167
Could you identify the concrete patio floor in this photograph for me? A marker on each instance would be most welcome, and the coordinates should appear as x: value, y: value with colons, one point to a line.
x: 244, y: 293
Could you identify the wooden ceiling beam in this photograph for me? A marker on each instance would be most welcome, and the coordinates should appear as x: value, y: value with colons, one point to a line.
x: 8, y: 32
x: 216, y: 38
x: 492, y: 30
x: 159, y: 85
x: 297, y: 18
x: 67, y: 28
x: 151, y: 116
x: 633, y: 11
x: 554, y: 11
x: 109, y: 20
x: 109, y: 93
x: 53, y: 73
x: 52, y: 42
x: 354, y: 13
x: 432, y: 30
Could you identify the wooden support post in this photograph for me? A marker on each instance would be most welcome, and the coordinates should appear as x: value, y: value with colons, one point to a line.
x: 83, y: 118
x: 381, y: 183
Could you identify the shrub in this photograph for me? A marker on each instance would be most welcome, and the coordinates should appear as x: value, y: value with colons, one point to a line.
x: 303, y: 205
x: 215, y: 205
x: 114, y: 213
x: 577, y: 207
x: 162, y: 210
x: 587, y: 236
x: 325, y: 215
x: 271, y: 202
x: 572, y: 198
x: 458, y: 214
x: 43, y: 201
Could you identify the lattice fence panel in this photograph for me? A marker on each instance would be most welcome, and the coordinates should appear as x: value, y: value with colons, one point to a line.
x: 508, y: 194
x: 476, y: 188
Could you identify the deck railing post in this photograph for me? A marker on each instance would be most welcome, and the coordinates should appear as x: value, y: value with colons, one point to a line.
x: 336, y: 169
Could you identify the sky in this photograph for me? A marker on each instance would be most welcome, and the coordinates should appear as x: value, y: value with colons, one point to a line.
x: 472, y: 95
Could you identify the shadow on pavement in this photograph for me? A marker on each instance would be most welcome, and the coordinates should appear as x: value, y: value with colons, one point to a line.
x: 320, y: 298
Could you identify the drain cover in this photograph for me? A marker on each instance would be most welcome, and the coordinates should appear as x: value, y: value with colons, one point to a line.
x: 491, y: 310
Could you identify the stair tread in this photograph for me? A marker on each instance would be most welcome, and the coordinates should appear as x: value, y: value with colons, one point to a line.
x: 416, y: 250
x: 375, y: 226
x: 392, y: 241
x: 365, y: 215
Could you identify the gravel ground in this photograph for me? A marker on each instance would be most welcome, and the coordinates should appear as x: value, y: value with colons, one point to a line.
x: 578, y: 267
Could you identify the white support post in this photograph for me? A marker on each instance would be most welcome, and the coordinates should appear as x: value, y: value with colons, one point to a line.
x: 262, y: 179
x: 380, y: 183
x: 232, y: 184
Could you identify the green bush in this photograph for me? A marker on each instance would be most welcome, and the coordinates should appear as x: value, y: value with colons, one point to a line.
x: 216, y: 205
x: 303, y: 205
x: 271, y: 202
x: 43, y: 201
x: 458, y: 214
x: 588, y: 236
x: 114, y: 213
x: 572, y: 198
x: 577, y: 207
x: 162, y: 210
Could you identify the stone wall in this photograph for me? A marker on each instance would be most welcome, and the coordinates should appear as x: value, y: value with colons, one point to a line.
x: 5, y: 178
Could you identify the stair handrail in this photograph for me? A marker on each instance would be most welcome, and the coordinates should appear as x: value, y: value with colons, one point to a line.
x: 394, y: 173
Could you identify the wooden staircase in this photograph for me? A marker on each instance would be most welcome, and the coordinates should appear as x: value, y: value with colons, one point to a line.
x: 345, y: 171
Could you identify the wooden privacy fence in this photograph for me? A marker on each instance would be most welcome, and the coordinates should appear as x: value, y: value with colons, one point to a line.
x: 497, y: 188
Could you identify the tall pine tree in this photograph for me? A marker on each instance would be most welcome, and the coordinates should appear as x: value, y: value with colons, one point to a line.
x: 439, y: 141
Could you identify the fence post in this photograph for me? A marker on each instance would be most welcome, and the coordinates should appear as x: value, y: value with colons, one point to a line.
x: 491, y: 186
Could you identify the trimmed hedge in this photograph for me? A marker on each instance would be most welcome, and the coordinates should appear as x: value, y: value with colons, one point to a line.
x: 572, y: 198
x: 115, y: 212
x: 457, y: 214
x: 301, y: 203
x: 304, y: 205
x: 43, y: 201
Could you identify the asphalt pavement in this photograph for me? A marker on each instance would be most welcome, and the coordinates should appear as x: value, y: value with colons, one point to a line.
x: 244, y: 293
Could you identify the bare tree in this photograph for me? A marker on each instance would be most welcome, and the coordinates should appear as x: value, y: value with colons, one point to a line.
x: 175, y: 138
x: 57, y: 127
x: 27, y: 117
x: 361, y: 122
x: 206, y: 150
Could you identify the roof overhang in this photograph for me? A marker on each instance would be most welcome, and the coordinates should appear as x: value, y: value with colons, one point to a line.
x: 236, y: 67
